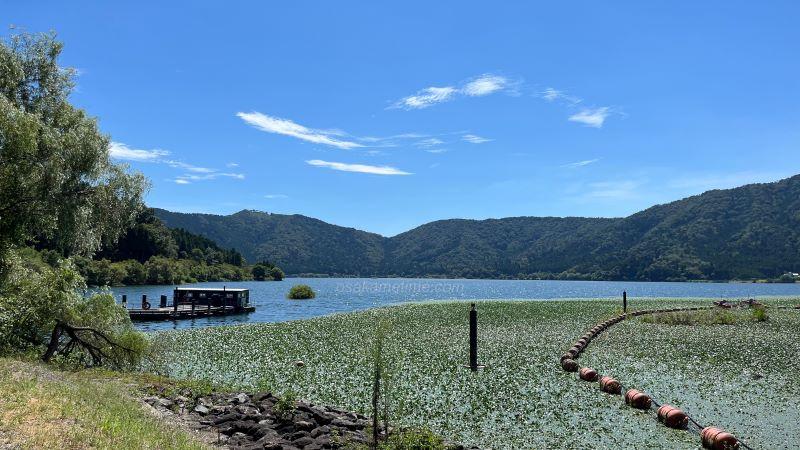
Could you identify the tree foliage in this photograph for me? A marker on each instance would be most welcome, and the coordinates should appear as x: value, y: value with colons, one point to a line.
x: 57, y: 182
x: 36, y: 303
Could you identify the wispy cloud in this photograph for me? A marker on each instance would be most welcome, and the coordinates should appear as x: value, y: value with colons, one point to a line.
x: 188, y: 178
x: 232, y: 165
x: 591, y: 117
x: 122, y: 152
x: 430, y: 142
x: 276, y: 196
x: 480, y: 86
x: 552, y: 94
x: 485, y: 85
x: 359, y: 168
x: 436, y: 150
x: 427, y: 97
x: 474, y: 139
x: 585, y: 162
x: 286, y: 127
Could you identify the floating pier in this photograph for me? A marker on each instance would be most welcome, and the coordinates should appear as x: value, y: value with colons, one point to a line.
x: 191, y: 303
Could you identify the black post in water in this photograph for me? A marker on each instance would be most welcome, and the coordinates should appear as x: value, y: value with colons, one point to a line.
x: 145, y: 304
x: 473, y: 338
x: 163, y: 303
x: 624, y: 301
x: 175, y: 302
x: 124, y: 301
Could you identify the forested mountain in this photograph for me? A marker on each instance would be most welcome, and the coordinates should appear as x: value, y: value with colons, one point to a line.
x: 743, y: 233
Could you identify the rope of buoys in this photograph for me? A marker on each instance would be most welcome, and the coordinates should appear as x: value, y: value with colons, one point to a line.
x: 711, y: 437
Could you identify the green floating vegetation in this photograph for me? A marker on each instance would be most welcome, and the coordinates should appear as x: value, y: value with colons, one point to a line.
x: 741, y: 377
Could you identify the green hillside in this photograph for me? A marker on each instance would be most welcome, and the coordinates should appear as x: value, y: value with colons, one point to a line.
x: 744, y: 233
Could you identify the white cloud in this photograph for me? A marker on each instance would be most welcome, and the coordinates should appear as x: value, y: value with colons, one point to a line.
x: 474, y: 139
x: 585, y: 162
x: 552, y: 94
x: 426, y: 97
x: 189, y: 167
x: 485, y: 85
x: 276, y: 196
x: 436, y: 150
x: 360, y: 168
x: 180, y: 181
x: 121, y: 151
x: 208, y: 176
x: 232, y: 164
x: 591, y: 117
x: 430, y: 142
x: 708, y: 181
x: 286, y: 127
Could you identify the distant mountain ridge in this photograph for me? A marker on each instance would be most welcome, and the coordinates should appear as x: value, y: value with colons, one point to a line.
x: 747, y: 232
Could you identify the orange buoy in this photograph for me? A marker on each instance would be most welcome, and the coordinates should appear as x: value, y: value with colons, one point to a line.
x: 717, y: 439
x: 569, y: 365
x: 610, y: 385
x: 672, y: 417
x: 637, y: 399
x: 588, y: 374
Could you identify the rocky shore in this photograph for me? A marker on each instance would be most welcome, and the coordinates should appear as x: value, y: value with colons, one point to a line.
x: 262, y: 421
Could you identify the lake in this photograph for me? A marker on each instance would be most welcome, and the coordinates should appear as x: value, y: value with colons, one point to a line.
x: 336, y: 295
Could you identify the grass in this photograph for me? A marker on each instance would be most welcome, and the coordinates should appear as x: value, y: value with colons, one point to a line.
x: 45, y: 408
x: 522, y: 399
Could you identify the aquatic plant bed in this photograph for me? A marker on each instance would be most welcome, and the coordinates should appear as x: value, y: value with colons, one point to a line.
x: 740, y: 377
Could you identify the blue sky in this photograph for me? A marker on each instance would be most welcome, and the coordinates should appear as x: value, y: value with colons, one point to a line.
x: 386, y: 117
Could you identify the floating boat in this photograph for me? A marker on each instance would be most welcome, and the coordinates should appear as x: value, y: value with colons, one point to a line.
x: 190, y: 303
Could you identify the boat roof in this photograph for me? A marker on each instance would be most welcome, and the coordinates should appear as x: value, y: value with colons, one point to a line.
x: 211, y: 289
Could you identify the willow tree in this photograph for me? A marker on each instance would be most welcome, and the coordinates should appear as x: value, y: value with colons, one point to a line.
x: 59, y: 186
x: 57, y: 181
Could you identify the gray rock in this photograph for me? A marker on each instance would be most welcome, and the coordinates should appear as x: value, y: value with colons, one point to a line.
x: 343, y: 423
x: 304, y: 425
x: 202, y: 410
x: 165, y: 402
x: 242, y: 398
x: 303, y: 441
x: 316, y: 432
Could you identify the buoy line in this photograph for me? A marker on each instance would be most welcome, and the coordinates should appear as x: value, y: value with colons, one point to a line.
x: 672, y: 417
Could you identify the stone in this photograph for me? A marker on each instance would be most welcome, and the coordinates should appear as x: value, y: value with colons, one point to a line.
x: 299, y: 363
x: 303, y: 441
x: 181, y: 400
x: 165, y: 402
x: 151, y: 400
x: 316, y: 432
x: 202, y: 410
x: 226, y: 418
x: 304, y: 425
x: 242, y: 398
x: 343, y: 423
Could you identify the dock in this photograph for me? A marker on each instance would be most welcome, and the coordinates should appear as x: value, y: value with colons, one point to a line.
x: 185, y: 312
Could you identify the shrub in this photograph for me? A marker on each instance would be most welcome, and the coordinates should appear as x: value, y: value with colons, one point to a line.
x: 760, y: 314
x: 301, y: 292
x: 413, y: 440
x: 276, y: 274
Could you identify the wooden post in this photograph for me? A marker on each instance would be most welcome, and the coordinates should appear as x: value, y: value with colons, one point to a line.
x: 145, y: 305
x: 124, y: 301
x: 175, y: 303
x: 473, y: 338
x: 624, y: 301
x: 193, y: 304
x: 163, y: 303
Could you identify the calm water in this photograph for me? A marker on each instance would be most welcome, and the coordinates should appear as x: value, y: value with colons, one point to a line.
x: 351, y: 294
